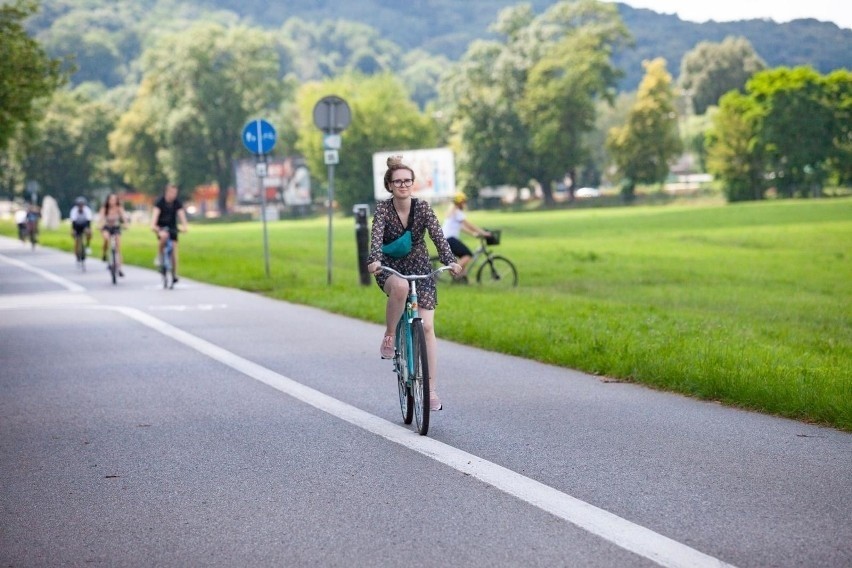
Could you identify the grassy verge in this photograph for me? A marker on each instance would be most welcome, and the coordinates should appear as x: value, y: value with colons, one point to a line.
x: 750, y: 304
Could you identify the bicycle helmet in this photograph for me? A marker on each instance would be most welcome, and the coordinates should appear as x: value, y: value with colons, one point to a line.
x: 80, y: 201
x: 459, y: 198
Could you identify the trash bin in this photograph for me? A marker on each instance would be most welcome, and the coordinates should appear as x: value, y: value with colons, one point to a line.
x: 362, y: 240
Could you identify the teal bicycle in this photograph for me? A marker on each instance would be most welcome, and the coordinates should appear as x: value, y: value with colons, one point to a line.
x: 410, y: 360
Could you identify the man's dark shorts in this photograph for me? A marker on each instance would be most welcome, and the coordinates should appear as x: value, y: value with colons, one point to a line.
x: 173, y: 232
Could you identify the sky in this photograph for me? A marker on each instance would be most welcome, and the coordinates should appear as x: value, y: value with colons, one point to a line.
x: 837, y: 11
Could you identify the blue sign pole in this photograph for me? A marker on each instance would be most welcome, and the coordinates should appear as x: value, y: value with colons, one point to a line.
x: 259, y: 138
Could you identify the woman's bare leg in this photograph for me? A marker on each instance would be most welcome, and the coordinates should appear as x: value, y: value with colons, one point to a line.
x: 397, y: 290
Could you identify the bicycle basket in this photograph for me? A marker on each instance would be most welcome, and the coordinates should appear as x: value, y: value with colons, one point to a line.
x: 494, y: 239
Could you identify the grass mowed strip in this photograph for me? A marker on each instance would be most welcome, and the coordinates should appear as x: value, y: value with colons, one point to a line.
x: 749, y: 304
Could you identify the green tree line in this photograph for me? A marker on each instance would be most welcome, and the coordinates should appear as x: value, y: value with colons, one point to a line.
x: 535, y: 104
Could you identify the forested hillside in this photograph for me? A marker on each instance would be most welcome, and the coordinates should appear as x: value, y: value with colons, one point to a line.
x: 108, y: 34
x: 544, y: 95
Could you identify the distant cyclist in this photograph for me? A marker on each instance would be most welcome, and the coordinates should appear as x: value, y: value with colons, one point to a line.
x: 168, y: 215
x: 454, y: 224
x: 112, y: 217
x: 32, y: 219
x: 21, y: 222
x: 81, y: 221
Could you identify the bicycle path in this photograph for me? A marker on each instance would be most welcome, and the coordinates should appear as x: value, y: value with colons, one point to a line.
x: 528, y: 465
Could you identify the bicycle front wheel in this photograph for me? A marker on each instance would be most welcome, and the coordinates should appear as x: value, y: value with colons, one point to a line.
x: 164, y: 269
x: 420, y: 377
x: 113, y: 265
x: 445, y: 277
x: 406, y: 400
x: 497, y: 272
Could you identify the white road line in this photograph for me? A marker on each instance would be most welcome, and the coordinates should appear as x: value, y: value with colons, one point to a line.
x: 67, y: 284
x: 44, y: 300
x: 637, y: 539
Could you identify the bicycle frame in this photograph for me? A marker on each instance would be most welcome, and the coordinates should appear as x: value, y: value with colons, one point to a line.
x: 411, y: 351
x: 411, y: 312
x: 480, y: 252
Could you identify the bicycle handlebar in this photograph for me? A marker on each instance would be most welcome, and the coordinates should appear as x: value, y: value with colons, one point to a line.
x: 411, y: 277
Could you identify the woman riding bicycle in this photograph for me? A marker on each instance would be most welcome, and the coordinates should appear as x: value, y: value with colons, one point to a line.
x: 393, y: 218
x: 454, y: 224
x: 112, y: 216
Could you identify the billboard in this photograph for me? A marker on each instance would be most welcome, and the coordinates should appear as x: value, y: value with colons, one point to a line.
x: 287, y: 181
x: 434, y: 172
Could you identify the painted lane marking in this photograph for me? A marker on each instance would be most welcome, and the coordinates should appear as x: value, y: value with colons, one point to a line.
x: 67, y: 284
x: 44, y: 300
x: 185, y: 308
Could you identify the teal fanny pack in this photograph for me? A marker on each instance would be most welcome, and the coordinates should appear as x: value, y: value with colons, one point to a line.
x: 400, y: 247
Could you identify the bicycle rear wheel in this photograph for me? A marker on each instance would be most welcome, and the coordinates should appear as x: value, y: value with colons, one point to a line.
x: 406, y: 401
x: 420, y: 379
x: 497, y: 272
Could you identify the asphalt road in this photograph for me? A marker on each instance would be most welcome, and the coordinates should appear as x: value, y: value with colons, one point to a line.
x: 207, y: 426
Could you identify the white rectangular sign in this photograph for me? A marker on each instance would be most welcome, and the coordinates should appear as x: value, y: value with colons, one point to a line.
x: 285, y: 179
x: 434, y: 172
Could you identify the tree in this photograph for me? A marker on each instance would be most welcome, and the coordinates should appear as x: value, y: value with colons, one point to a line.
x: 67, y: 151
x: 838, y: 86
x: 521, y: 105
x: 26, y: 72
x: 421, y: 74
x: 712, y: 69
x: 383, y: 118
x: 136, y: 143
x: 791, y: 127
x: 558, y: 105
x: 796, y: 127
x: 734, y: 154
x: 643, y: 148
x: 200, y: 87
x: 595, y: 171
x: 331, y: 48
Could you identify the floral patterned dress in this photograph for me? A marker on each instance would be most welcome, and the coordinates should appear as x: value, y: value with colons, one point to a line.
x: 388, y: 227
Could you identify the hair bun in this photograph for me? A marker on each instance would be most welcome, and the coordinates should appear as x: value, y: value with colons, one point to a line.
x: 394, y: 161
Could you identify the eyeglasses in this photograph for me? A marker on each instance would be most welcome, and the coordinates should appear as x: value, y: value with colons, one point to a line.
x: 402, y: 182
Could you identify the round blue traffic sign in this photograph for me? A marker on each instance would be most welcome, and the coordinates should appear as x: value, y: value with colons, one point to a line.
x: 259, y: 137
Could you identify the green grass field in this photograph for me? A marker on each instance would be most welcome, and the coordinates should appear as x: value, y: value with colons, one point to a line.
x: 749, y: 304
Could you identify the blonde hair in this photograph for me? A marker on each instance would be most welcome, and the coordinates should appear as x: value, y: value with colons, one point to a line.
x: 395, y: 163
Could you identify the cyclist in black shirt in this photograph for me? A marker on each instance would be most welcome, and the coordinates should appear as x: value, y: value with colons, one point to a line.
x: 168, y: 217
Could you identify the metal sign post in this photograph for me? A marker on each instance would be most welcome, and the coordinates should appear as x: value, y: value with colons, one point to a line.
x: 259, y: 138
x: 261, y: 173
x: 332, y: 116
